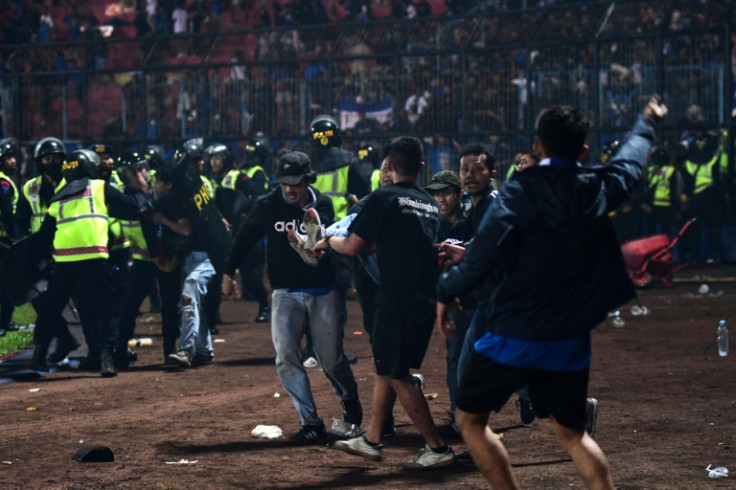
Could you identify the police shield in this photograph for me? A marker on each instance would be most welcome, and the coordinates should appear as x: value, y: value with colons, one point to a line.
x: 201, y: 208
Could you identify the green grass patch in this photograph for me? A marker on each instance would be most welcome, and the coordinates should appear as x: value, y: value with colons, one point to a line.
x: 14, y: 341
x: 17, y: 340
x: 25, y: 314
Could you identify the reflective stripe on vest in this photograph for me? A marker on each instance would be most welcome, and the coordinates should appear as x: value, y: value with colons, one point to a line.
x: 335, y: 185
x: 230, y: 179
x: 702, y: 174
x: 32, y: 193
x: 81, y: 225
x: 375, y: 179
x: 251, y: 172
x: 660, y: 181
x: 133, y: 230
x: 3, y: 232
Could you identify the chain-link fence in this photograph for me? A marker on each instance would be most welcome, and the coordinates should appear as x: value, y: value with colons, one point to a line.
x: 484, y: 76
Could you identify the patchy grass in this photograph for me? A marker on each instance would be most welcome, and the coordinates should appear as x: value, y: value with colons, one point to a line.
x: 13, y: 341
x: 24, y: 315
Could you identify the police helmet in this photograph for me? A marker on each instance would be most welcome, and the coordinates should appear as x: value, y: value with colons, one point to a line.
x: 8, y: 148
x: 703, y: 146
x: 369, y: 154
x: 193, y: 149
x: 80, y: 164
x: 101, y: 148
x: 609, y: 150
x: 48, y: 146
x: 131, y: 159
x: 258, y: 148
x: 155, y: 155
x: 660, y: 156
x: 324, y: 132
x: 222, y: 151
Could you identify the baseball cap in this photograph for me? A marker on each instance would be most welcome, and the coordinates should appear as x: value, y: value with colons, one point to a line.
x: 293, y: 166
x: 444, y: 179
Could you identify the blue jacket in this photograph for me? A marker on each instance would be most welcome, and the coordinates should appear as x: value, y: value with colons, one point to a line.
x: 549, y: 249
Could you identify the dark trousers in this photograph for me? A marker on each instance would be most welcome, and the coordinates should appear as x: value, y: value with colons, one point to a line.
x: 89, y: 282
x: 251, y: 275
x: 141, y: 277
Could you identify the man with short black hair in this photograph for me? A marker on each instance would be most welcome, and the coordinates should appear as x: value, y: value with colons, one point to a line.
x: 402, y: 221
x: 301, y: 292
x: 549, y: 223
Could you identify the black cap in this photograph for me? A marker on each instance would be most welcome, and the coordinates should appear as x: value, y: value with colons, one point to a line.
x: 293, y: 167
x: 444, y: 179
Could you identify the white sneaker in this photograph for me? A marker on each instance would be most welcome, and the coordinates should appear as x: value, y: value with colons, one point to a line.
x: 313, y: 227
x: 310, y: 362
x: 428, y: 459
x: 297, y: 241
x: 359, y: 446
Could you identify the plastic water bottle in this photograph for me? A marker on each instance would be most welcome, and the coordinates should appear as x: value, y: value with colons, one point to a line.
x: 722, y: 338
x: 144, y: 342
x: 616, y: 319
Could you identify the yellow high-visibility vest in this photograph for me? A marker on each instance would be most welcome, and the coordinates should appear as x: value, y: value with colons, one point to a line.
x: 702, y: 174
x: 81, y: 225
x: 32, y: 193
x: 660, y: 182
x: 375, y: 179
x: 335, y: 185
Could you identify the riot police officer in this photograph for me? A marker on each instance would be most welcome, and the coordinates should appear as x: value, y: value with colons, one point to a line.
x: 78, y: 222
x: 8, y: 203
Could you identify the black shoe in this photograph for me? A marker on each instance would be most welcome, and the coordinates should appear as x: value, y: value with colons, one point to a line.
x: 107, y: 370
x: 526, y: 411
x: 124, y: 356
x: 202, y: 360
x: 309, y: 434
x: 214, y: 331
x: 39, y: 362
x: 90, y: 364
x: 63, y: 348
x: 264, y: 314
x: 352, y: 412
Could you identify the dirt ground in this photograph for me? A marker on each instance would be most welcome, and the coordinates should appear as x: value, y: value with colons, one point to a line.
x: 667, y: 410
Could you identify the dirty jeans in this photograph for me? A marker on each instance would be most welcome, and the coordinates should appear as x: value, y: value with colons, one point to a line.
x: 194, y: 334
x: 290, y: 312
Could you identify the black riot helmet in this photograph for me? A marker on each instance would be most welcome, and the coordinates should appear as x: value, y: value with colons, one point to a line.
x: 80, y: 164
x: 324, y: 132
x: 256, y: 152
x: 193, y: 149
x: 222, y: 151
x: 132, y: 160
x: 660, y: 156
x: 49, y: 146
x: 609, y: 150
x: 8, y: 148
x: 369, y: 154
x: 155, y: 155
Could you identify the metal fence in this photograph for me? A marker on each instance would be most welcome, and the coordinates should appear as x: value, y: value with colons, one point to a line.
x: 484, y: 76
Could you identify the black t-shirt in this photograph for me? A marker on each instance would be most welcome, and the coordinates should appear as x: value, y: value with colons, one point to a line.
x: 272, y: 217
x: 172, y: 206
x: 402, y: 219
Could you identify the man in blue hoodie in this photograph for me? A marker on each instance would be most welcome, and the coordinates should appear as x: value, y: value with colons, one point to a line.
x: 553, y: 268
